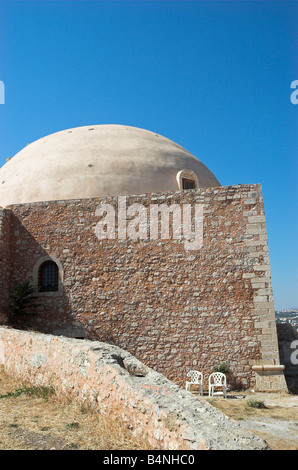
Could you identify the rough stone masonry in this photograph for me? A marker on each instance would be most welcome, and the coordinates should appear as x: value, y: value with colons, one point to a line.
x: 173, y: 309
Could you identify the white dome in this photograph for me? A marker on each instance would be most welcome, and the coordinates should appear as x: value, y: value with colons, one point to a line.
x: 97, y: 161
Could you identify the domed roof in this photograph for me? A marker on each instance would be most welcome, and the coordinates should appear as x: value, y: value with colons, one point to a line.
x: 97, y: 161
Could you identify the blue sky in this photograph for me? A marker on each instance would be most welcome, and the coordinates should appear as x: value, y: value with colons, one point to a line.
x: 213, y: 76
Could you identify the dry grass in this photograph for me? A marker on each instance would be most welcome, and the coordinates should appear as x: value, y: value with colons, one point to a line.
x: 30, y: 422
x: 240, y: 410
x: 276, y: 418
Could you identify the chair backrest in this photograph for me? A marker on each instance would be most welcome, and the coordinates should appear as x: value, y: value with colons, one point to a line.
x: 217, y: 378
x: 195, y: 376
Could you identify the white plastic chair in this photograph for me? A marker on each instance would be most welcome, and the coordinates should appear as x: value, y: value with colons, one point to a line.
x: 196, y: 378
x: 217, y: 379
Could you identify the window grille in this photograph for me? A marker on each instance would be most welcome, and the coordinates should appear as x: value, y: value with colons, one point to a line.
x: 48, y: 277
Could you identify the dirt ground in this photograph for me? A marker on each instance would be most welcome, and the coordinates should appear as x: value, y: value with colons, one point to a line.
x: 35, y: 419
x: 276, y: 423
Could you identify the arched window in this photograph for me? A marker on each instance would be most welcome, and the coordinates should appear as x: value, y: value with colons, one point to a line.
x: 187, y: 179
x: 48, y: 277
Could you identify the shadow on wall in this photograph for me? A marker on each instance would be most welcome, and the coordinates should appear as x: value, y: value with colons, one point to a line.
x: 49, y: 312
x: 288, y: 353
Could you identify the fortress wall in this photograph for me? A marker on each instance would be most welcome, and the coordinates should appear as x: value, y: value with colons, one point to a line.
x: 172, y: 308
x: 114, y: 382
x: 5, y: 217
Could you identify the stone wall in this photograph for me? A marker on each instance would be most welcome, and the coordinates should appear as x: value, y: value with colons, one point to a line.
x: 5, y: 217
x: 114, y: 382
x: 172, y: 308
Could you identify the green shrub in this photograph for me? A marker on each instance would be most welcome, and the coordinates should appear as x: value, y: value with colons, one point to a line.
x: 223, y: 368
x: 256, y: 404
x: 22, y: 302
x: 72, y: 425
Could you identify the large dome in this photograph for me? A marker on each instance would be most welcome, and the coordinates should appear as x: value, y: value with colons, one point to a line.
x: 97, y: 161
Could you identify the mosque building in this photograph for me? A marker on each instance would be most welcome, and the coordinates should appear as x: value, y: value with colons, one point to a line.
x: 176, y: 306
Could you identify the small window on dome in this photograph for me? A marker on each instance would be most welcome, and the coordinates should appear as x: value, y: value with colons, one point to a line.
x: 188, y: 184
x: 187, y: 179
x: 48, y: 277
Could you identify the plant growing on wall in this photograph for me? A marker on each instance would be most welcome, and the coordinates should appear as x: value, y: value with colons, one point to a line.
x: 222, y: 368
x: 22, y: 302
